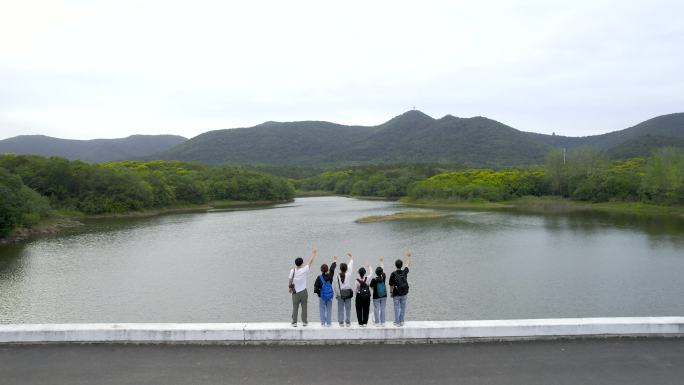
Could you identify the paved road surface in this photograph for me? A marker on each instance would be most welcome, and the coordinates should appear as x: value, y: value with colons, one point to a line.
x: 614, y: 361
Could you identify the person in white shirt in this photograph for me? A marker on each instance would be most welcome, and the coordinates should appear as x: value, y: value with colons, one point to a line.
x: 297, y: 285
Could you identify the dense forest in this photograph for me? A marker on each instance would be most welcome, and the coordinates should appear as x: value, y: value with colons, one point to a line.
x: 582, y: 173
x: 372, y: 181
x: 30, y: 186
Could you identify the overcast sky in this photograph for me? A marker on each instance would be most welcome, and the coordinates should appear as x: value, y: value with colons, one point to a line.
x: 87, y: 69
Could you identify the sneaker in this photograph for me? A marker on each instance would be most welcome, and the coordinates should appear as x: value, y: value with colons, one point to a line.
x: 294, y: 324
x: 341, y: 325
x: 348, y: 325
x: 328, y: 325
x: 395, y: 324
x: 305, y: 324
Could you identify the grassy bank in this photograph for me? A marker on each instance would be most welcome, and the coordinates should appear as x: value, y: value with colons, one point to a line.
x: 455, y: 204
x: 403, y: 215
x: 553, y: 205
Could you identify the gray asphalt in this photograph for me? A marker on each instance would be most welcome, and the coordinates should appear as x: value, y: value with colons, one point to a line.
x: 613, y: 361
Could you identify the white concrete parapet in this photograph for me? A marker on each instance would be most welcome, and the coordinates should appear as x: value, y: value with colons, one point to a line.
x: 283, y: 333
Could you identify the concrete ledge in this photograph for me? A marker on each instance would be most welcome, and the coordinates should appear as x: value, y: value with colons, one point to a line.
x: 283, y: 333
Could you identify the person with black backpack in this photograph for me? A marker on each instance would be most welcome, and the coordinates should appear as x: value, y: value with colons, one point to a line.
x: 363, y: 297
x: 399, y: 289
x: 323, y: 287
x: 379, y: 293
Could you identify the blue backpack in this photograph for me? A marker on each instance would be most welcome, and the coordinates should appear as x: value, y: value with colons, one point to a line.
x: 380, y: 289
x: 326, y: 289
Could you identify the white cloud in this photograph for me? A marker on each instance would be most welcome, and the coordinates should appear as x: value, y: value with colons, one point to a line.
x: 113, y: 68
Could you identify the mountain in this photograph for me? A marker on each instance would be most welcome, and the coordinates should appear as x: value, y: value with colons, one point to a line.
x: 643, y: 146
x: 95, y: 150
x: 416, y: 137
x: 308, y: 142
x: 409, y: 137
x: 664, y: 126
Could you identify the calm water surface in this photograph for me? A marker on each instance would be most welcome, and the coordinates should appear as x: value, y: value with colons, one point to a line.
x: 230, y: 266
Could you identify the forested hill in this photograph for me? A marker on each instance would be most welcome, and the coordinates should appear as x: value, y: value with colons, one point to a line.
x: 664, y: 127
x: 409, y: 137
x: 95, y: 150
x: 303, y: 143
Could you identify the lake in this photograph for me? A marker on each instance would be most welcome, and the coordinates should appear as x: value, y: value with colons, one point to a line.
x: 232, y: 265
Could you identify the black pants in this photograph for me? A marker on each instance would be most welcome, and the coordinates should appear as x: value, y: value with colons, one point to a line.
x: 362, y: 309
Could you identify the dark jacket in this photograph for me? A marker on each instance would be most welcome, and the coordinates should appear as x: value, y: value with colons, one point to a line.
x: 328, y: 277
x: 393, y: 279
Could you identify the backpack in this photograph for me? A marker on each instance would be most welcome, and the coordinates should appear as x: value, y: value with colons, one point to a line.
x: 401, y: 283
x: 364, y: 291
x: 380, y: 289
x: 326, y: 289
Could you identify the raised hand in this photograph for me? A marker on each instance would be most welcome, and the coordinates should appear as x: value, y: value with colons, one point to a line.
x: 334, y: 258
x: 382, y: 258
x: 350, y: 254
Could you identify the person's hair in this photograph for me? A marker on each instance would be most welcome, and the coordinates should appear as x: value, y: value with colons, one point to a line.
x: 378, y: 271
x: 299, y: 261
x: 343, y: 267
x: 324, y: 268
x: 362, y: 271
x: 398, y: 263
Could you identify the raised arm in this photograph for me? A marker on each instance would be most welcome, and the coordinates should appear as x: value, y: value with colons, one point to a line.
x: 333, y: 265
x: 408, y: 258
x: 350, y: 265
x: 314, y: 251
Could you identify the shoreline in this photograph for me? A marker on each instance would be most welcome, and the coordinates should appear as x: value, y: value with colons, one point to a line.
x: 62, y: 220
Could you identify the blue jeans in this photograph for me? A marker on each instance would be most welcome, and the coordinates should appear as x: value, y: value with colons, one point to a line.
x: 344, y: 310
x: 399, y: 308
x: 379, y: 305
x: 325, y: 310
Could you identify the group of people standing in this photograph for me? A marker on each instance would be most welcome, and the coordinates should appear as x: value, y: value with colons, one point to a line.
x: 369, y: 284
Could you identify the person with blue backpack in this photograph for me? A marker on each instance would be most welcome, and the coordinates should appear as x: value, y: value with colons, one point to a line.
x: 323, y: 287
x: 379, y: 293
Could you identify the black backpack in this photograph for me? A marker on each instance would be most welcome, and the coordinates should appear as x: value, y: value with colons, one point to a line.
x: 364, y: 290
x: 401, y: 283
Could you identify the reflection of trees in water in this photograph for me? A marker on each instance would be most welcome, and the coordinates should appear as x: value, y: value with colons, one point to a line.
x: 658, y: 228
x: 10, y: 257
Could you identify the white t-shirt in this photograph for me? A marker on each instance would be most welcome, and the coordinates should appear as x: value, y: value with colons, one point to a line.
x: 299, y: 278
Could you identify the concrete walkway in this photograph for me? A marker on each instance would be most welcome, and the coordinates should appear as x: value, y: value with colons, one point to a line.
x: 585, y: 361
